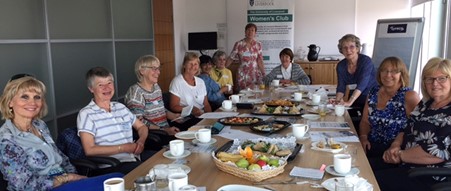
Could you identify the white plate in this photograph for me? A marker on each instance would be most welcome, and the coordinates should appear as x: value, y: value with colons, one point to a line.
x: 315, y: 147
x: 238, y: 187
x: 186, y: 135
x: 329, y: 184
x: 311, y: 116
x: 212, y: 141
x: 223, y: 109
x: 185, y: 168
x: 168, y: 154
x: 330, y: 169
x: 306, y: 136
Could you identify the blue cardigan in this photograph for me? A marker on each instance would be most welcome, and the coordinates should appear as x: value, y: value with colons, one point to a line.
x: 364, y: 76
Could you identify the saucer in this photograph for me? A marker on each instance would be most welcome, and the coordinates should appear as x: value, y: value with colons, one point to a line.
x: 330, y: 169
x: 223, y: 109
x: 306, y: 136
x: 186, y: 135
x: 168, y: 154
x: 212, y: 141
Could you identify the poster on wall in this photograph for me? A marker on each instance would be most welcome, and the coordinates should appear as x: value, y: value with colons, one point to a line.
x: 274, y: 20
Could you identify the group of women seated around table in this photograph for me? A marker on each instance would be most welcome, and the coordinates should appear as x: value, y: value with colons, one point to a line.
x: 398, y: 131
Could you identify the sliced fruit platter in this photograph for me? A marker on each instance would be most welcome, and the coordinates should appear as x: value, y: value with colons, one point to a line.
x: 255, y: 160
x: 279, y: 110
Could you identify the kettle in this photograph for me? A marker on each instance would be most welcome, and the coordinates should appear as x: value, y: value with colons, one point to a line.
x: 313, y: 53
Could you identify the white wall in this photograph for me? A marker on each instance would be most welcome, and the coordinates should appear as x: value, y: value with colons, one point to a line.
x: 320, y: 22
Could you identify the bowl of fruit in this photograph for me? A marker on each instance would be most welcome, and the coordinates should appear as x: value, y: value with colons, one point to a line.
x: 255, y: 160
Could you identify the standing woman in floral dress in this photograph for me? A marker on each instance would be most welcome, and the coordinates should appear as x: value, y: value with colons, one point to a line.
x: 248, y: 52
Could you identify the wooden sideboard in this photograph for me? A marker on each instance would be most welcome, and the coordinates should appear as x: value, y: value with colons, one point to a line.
x: 321, y: 72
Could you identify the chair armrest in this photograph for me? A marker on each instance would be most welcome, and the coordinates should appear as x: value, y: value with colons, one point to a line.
x: 158, y: 132
x: 425, y: 171
x: 442, y: 186
x: 104, y: 160
x: 85, y: 163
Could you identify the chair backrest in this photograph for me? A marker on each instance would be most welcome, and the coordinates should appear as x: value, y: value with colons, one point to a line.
x: 70, y: 144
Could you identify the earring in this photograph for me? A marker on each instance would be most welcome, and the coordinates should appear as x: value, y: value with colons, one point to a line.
x: 11, y: 109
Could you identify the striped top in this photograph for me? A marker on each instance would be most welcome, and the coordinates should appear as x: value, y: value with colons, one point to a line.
x: 148, y: 106
x: 297, y: 75
x: 108, y: 128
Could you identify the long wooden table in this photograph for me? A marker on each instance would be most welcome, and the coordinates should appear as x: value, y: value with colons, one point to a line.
x: 205, y: 173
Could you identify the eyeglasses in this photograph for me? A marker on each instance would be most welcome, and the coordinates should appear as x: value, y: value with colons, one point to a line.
x: 352, y: 47
x: 441, y: 79
x: 153, y: 68
x: 392, y: 72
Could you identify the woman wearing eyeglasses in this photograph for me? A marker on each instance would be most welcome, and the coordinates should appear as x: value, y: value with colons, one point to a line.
x: 386, y: 111
x: 425, y: 141
x: 145, y: 99
x: 356, y: 69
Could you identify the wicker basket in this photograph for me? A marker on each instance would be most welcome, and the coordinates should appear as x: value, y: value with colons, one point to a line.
x: 255, y: 176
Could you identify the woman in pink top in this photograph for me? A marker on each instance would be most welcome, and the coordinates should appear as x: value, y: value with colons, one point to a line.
x: 248, y: 52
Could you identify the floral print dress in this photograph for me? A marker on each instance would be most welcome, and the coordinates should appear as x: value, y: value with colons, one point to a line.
x: 388, y: 122
x: 248, y: 72
x: 431, y: 130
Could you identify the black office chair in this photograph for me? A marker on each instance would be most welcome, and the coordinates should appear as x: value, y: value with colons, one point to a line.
x: 442, y: 172
x: 70, y: 144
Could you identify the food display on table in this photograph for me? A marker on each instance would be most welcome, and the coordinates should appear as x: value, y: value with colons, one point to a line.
x: 240, y: 120
x: 270, y: 126
x: 279, y: 102
x: 279, y: 110
x: 255, y: 160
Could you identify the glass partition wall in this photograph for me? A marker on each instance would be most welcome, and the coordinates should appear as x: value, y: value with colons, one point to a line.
x: 58, y: 41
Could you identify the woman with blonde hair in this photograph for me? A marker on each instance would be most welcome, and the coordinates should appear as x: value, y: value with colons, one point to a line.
x: 189, y: 90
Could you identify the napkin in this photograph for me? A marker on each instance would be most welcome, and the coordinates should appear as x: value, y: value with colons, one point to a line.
x: 360, y: 184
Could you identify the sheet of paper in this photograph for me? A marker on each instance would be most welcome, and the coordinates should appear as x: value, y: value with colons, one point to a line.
x: 328, y: 125
x: 218, y: 115
x: 231, y: 134
x: 340, y: 136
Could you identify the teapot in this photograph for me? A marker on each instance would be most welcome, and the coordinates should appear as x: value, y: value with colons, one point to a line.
x: 313, y: 53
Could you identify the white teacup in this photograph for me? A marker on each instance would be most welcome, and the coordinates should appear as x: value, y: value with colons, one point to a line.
x: 203, y: 135
x: 342, y: 163
x: 297, y: 96
x: 177, y: 147
x: 227, y: 104
x: 235, y: 98
x: 177, y: 180
x: 113, y: 184
x: 275, y: 82
x: 316, y: 98
x: 299, y: 130
x: 339, y: 110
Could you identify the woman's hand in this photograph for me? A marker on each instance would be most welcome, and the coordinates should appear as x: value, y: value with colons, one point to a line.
x: 171, y: 130
x: 74, y: 177
x: 365, y: 143
x: 196, y: 112
x: 285, y: 81
x: 391, y: 155
x: 224, y: 89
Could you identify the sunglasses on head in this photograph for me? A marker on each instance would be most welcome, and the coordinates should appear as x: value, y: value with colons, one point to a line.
x: 18, y: 76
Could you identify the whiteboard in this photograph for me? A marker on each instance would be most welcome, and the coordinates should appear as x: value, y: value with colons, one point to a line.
x: 399, y: 37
